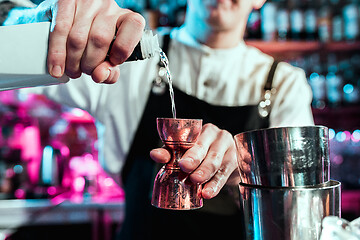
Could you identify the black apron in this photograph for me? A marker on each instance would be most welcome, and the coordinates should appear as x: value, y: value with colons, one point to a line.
x: 219, y: 216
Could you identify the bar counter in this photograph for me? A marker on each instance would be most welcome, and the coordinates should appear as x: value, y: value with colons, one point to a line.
x: 39, y: 213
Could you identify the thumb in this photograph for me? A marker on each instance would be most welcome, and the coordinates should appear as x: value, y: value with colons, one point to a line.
x: 160, y: 155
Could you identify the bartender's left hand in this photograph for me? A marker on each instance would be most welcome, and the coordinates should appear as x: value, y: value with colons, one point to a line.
x: 211, y: 161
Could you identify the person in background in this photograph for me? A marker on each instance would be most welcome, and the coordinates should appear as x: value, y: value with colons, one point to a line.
x: 216, y: 77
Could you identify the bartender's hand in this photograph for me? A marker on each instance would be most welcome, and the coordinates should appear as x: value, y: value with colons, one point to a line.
x: 82, y: 31
x: 211, y: 161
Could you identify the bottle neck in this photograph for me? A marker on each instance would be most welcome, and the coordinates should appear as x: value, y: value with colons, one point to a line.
x: 146, y: 48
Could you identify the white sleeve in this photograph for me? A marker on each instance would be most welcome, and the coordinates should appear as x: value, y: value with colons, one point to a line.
x: 81, y: 93
x: 292, y: 101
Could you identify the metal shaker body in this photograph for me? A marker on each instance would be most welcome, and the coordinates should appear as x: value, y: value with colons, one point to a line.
x: 288, y: 213
x: 288, y: 157
x: 285, y: 188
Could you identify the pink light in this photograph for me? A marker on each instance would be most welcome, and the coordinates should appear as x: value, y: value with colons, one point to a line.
x: 60, y: 198
x: 78, y: 115
x: 78, y: 112
x: 31, y: 143
x: 32, y: 152
x: 51, y: 190
x: 75, y: 163
x: 19, y: 193
x: 348, y: 135
x: 92, y: 166
x: 9, y: 173
x: 79, y: 184
x: 337, y: 159
x: 67, y: 180
x: 65, y: 151
x: 85, y: 165
x: 108, y: 182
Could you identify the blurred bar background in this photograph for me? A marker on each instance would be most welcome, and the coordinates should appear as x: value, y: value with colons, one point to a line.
x: 51, y: 180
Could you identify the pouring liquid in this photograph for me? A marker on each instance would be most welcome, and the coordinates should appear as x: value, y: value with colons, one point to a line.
x: 165, y: 61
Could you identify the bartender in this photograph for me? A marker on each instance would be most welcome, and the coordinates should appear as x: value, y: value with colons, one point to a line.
x: 216, y: 76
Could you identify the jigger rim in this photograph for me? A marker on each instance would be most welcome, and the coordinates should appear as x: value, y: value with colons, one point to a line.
x: 178, y: 119
x: 178, y: 130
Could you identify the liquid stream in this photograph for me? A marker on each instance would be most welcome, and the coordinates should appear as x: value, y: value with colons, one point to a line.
x: 165, y: 61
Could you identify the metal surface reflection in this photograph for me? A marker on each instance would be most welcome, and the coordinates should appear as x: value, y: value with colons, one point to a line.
x: 172, y: 187
x: 289, y: 213
x: 285, y: 190
x: 288, y: 157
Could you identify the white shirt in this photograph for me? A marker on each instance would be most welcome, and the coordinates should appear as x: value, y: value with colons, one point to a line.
x: 227, y: 77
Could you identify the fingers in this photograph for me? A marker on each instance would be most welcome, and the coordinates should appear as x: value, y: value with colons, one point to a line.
x: 105, y: 73
x: 195, y: 155
x: 98, y: 44
x: 130, y: 28
x: 77, y: 40
x: 222, y: 176
x: 64, y: 12
x: 100, y: 37
x: 82, y: 36
x: 160, y: 155
x: 211, y: 160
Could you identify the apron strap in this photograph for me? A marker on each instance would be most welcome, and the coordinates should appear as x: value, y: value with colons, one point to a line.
x: 265, y: 104
x: 269, y: 81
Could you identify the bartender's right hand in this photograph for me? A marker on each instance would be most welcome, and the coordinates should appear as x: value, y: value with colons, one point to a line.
x: 81, y: 36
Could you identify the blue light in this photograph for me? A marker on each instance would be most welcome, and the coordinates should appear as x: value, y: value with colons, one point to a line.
x: 348, y: 88
x: 331, y: 133
x: 340, y: 136
x: 314, y: 76
x: 356, y: 135
x: 47, y: 166
x: 18, y: 169
x: 331, y: 76
x: 257, y: 221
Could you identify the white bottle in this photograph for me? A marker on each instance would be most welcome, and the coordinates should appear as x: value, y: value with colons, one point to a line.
x: 23, y: 58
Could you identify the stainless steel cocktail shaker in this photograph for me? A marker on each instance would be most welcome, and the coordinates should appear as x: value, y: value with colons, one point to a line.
x: 285, y: 188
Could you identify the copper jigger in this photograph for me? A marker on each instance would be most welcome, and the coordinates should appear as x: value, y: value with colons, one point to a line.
x: 172, y: 187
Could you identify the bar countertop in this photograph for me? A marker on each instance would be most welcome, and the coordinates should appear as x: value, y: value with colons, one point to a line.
x: 37, y: 212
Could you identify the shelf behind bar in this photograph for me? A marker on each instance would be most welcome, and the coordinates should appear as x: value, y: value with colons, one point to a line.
x: 279, y: 47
